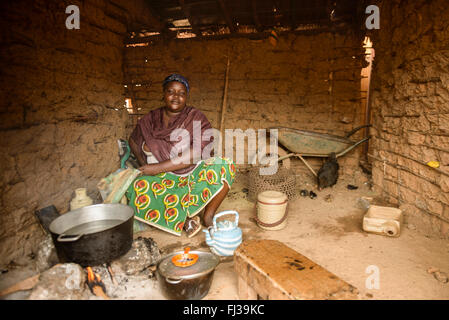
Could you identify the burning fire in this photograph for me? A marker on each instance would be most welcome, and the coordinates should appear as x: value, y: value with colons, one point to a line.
x: 95, y: 284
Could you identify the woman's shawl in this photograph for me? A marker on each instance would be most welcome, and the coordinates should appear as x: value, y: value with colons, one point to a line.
x: 150, y: 128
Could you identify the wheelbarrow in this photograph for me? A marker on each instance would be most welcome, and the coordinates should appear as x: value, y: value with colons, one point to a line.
x: 302, y: 143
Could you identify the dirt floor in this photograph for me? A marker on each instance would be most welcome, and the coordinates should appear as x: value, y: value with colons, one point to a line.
x: 329, y: 233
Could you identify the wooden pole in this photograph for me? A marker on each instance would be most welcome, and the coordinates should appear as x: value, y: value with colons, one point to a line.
x: 307, y: 165
x: 223, y: 106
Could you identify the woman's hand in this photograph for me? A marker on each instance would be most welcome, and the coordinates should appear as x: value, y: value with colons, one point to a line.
x: 150, y: 169
x: 136, y: 151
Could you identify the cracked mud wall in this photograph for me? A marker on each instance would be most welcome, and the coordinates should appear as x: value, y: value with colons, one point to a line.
x: 410, y: 110
x: 59, y: 126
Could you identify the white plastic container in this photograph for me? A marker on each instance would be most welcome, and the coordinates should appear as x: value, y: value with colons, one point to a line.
x: 271, y: 210
x: 383, y: 220
x: 80, y: 200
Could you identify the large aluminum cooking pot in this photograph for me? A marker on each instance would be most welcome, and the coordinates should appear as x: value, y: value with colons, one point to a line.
x: 93, y: 235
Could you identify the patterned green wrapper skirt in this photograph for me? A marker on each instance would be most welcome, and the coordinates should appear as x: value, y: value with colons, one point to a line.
x: 166, y: 200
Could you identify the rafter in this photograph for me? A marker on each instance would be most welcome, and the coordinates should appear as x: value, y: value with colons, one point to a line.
x: 186, y: 9
x: 227, y: 16
x: 256, y: 16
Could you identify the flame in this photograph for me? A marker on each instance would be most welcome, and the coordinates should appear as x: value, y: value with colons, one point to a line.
x: 95, y: 284
x: 92, y: 276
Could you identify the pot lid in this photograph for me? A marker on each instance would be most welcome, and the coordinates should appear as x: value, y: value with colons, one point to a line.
x: 206, y: 263
x: 272, y: 197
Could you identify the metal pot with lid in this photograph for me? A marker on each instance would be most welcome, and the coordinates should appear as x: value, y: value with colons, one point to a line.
x: 186, y: 275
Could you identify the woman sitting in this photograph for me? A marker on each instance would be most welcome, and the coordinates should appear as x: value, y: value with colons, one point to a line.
x: 174, y: 189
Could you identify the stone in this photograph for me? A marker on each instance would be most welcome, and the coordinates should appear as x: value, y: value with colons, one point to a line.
x: 62, y: 282
x: 143, y: 254
x: 441, y: 276
x: 46, y: 256
x: 411, y: 226
x: 432, y: 270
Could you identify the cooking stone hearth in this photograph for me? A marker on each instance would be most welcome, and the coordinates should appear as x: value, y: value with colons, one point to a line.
x: 132, y: 276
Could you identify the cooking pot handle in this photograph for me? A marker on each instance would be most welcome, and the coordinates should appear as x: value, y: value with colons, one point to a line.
x: 66, y: 238
x: 173, y: 281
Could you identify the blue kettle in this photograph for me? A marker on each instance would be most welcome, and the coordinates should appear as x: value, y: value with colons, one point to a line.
x: 225, y: 236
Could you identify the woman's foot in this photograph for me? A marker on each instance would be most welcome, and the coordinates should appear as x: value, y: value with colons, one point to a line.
x: 192, y: 226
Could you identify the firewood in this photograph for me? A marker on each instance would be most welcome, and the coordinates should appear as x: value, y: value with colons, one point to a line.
x: 112, y: 276
x: 98, y: 291
x: 26, y: 284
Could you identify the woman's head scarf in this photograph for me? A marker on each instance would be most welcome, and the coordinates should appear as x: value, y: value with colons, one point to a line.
x: 178, y: 78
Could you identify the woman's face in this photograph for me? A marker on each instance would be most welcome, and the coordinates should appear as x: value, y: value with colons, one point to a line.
x: 175, y: 96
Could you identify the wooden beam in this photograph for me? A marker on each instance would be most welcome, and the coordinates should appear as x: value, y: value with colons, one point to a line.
x: 256, y: 16
x: 227, y: 16
x: 186, y: 9
x: 323, y: 27
x: 202, y: 2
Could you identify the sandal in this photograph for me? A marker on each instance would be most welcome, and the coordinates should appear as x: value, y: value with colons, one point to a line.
x: 192, y: 226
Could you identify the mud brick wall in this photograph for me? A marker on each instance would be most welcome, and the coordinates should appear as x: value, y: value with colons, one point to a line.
x: 309, y: 82
x: 410, y: 107
x: 59, y: 123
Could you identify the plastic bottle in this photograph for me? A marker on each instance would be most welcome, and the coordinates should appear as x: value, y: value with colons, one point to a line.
x: 80, y: 200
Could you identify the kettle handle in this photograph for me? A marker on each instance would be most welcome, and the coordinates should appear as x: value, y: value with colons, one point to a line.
x: 223, y: 213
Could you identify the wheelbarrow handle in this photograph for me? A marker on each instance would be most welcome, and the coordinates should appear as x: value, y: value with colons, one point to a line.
x: 357, y: 129
x: 352, y: 147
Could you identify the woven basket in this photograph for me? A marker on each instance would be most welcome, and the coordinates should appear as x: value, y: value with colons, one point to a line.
x: 284, y: 180
x: 271, y: 210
